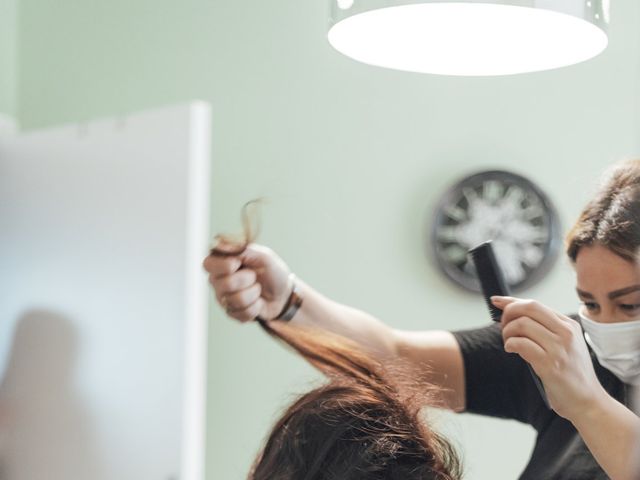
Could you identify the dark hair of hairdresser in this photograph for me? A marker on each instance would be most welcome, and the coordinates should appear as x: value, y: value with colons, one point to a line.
x: 612, y: 217
x: 360, y: 425
x: 364, y: 423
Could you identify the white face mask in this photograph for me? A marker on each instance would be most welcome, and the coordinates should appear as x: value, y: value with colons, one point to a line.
x: 617, y: 346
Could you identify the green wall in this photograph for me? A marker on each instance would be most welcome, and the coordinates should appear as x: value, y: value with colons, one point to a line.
x: 8, y: 60
x: 352, y: 158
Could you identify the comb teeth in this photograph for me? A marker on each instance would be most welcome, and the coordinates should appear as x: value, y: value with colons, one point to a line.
x: 490, y: 276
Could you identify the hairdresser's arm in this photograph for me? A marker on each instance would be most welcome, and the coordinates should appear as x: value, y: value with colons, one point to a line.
x: 255, y: 283
x: 612, y: 433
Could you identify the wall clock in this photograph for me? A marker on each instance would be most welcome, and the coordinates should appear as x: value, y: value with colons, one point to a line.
x: 503, y: 207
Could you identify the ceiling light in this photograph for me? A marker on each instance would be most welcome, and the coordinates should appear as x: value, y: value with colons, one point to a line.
x: 473, y: 37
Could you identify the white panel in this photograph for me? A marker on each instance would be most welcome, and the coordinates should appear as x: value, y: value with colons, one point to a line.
x: 102, y: 298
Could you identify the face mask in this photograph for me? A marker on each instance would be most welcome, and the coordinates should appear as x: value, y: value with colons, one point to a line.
x: 617, y: 346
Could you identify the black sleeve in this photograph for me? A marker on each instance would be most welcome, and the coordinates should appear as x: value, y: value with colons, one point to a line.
x: 497, y: 383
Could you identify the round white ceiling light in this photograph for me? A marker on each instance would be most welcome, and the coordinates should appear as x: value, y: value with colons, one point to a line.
x: 472, y: 37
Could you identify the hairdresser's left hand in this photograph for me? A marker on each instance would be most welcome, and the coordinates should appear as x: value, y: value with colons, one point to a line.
x: 554, y: 346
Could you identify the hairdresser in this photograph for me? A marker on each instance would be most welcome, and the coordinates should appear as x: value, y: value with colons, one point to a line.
x: 589, y: 363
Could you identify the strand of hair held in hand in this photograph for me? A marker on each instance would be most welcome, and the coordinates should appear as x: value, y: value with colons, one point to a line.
x: 238, y: 246
x: 249, y: 233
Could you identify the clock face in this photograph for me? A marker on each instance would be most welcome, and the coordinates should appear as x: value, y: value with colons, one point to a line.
x: 505, y: 208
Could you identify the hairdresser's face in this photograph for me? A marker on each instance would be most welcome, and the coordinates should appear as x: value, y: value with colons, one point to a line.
x: 608, y: 285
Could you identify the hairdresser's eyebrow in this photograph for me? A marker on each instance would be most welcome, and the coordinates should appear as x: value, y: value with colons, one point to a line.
x: 584, y: 294
x: 623, y: 291
x: 611, y: 295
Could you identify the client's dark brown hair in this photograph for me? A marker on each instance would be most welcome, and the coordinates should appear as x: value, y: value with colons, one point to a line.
x: 360, y: 425
x: 364, y: 423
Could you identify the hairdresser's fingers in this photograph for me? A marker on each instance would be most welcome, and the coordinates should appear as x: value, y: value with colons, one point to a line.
x: 248, y: 313
x: 256, y: 256
x: 502, y: 301
x: 218, y: 266
x: 241, y: 299
x: 528, y: 328
x: 515, y: 308
x: 227, y: 247
x: 272, y: 272
x: 243, y: 278
x: 529, y: 350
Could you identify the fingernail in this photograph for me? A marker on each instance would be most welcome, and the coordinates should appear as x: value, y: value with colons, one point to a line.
x: 496, y: 298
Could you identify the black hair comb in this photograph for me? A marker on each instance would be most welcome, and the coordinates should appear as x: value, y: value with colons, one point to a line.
x: 492, y: 283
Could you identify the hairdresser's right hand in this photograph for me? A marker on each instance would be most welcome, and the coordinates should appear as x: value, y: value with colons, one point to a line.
x: 251, y: 284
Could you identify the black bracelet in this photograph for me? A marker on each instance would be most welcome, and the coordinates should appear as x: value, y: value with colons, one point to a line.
x: 293, y: 303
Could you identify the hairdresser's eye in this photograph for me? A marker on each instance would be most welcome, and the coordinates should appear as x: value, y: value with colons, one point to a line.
x: 591, y: 306
x: 630, y: 307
